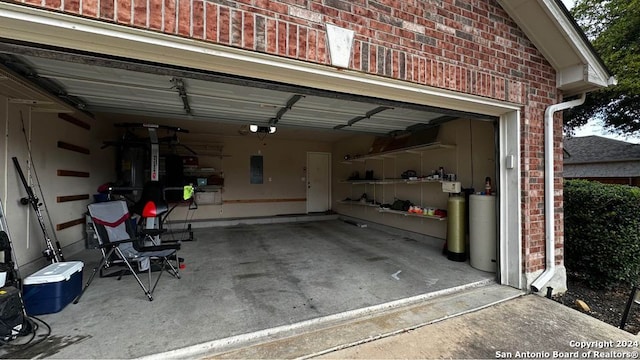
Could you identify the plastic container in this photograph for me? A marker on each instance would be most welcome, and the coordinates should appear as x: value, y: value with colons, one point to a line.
x: 202, y: 181
x: 50, y: 289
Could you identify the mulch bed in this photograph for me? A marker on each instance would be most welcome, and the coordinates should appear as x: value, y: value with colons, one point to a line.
x: 606, y: 305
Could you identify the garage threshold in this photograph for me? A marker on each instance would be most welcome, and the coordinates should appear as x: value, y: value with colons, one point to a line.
x: 320, y: 336
x: 244, y: 282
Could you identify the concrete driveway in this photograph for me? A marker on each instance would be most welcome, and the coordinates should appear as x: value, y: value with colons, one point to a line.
x: 523, y: 327
x: 530, y: 327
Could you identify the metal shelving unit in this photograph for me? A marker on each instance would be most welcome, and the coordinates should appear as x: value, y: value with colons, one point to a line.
x: 392, y: 155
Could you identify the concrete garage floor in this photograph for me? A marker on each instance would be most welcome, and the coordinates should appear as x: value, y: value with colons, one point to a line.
x: 240, y: 281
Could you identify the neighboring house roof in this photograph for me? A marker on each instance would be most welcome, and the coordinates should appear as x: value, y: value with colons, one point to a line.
x: 596, y: 156
x: 592, y: 149
x: 627, y: 169
x: 552, y: 29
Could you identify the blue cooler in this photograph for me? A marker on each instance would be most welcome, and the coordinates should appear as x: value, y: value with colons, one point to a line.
x: 50, y: 289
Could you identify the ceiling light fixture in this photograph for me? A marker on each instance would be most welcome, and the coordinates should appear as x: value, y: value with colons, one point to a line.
x: 262, y: 129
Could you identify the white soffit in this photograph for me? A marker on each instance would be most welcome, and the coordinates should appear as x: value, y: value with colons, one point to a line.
x: 578, y: 68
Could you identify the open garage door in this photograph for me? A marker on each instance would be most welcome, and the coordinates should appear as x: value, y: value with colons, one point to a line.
x: 97, y: 84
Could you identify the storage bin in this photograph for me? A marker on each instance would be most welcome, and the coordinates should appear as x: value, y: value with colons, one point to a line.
x: 208, y: 197
x: 50, y: 289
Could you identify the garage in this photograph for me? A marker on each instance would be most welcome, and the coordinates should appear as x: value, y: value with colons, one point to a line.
x: 361, y: 134
x: 356, y: 137
x: 361, y: 148
x: 368, y: 143
x: 290, y: 122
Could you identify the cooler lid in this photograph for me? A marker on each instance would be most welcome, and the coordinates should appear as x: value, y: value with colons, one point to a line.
x: 56, y: 272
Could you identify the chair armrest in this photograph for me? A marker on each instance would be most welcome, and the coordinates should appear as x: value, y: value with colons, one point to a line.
x: 158, y: 247
x: 114, y: 243
x: 152, y: 232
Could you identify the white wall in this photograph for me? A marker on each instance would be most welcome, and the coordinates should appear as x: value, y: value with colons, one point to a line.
x: 284, y: 160
x: 43, y: 130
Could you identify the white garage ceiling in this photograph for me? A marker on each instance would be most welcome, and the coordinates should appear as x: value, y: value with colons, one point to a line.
x: 120, y: 87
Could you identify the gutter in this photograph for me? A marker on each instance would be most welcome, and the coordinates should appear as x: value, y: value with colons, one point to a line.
x: 549, y: 192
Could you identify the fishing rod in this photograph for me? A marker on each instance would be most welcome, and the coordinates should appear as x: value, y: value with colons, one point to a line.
x: 53, y: 254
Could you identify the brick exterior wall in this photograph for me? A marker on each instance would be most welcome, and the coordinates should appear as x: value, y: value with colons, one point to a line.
x: 469, y: 46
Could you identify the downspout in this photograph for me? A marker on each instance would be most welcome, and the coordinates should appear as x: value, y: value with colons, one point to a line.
x: 549, y: 209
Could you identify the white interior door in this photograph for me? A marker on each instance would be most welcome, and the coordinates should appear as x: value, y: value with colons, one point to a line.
x: 318, y: 182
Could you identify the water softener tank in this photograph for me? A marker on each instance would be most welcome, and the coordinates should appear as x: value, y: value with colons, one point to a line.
x: 455, y: 228
x: 482, y: 232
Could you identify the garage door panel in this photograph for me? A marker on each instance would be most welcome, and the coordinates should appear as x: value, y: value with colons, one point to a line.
x: 117, y: 103
x: 399, y: 114
x: 125, y: 96
x: 231, y: 91
x: 231, y: 112
x: 124, y: 87
x: 377, y: 128
x: 337, y: 105
x: 108, y: 85
x: 329, y: 116
x: 396, y: 123
x: 215, y: 103
x: 97, y: 74
x: 249, y: 102
x: 307, y: 122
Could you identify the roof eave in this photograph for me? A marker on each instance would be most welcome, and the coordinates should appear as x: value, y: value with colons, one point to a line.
x: 550, y: 27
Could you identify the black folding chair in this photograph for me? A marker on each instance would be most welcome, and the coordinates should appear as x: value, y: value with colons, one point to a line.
x: 116, y: 236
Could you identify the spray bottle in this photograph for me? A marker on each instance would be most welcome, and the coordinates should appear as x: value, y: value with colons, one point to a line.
x: 487, y: 186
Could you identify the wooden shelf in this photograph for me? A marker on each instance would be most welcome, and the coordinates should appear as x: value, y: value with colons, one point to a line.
x: 390, y: 181
x: 203, y: 170
x: 357, y: 203
x: 396, y: 212
x: 404, y: 213
x: 393, y: 153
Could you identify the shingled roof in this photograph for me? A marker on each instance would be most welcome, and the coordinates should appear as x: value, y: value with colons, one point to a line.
x: 596, y: 156
x: 593, y: 149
